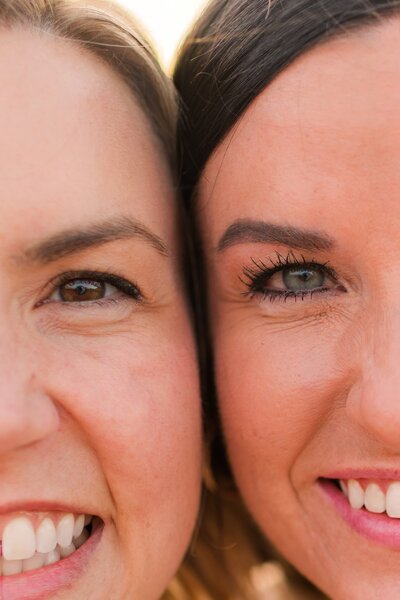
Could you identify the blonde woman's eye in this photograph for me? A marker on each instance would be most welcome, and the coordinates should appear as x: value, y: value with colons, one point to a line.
x: 75, y: 288
x: 83, y: 290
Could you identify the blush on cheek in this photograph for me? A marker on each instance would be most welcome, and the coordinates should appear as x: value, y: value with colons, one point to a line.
x: 274, y: 393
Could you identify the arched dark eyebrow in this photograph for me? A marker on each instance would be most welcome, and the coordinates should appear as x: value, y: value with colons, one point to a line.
x: 75, y: 240
x: 244, y: 231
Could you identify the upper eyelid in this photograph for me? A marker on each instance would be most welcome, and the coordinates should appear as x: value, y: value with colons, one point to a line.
x: 259, y: 269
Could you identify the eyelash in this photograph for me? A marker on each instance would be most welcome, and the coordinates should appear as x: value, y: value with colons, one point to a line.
x: 123, y: 285
x: 259, y: 273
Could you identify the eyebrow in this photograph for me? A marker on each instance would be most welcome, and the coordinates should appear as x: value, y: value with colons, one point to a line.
x: 75, y: 240
x: 247, y: 231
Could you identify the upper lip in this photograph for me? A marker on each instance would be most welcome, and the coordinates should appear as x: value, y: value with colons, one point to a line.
x: 391, y: 474
x: 43, y: 506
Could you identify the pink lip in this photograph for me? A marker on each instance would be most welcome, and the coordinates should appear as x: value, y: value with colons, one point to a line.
x: 376, y: 474
x: 41, y: 506
x: 43, y: 583
x: 376, y: 527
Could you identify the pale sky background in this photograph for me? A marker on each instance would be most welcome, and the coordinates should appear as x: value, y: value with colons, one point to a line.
x: 166, y: 21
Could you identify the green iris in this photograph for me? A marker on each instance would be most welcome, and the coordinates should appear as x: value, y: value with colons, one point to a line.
x: 303, y: 279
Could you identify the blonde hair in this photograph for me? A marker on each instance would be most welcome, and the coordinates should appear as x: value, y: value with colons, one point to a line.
x: 108, y: 31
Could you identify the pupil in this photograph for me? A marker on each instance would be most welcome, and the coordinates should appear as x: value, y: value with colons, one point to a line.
x: 303, y: 279
x: 80, y: 291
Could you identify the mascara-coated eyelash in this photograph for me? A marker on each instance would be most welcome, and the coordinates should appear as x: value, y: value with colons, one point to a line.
x: 257, y: 276
x: 88, y: 288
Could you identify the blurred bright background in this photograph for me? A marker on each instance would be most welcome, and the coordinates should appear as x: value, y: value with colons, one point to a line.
x: 166, y: 22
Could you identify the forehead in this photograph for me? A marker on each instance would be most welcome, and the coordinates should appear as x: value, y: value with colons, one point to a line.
x: 74, y: 139
x: 327, y: 129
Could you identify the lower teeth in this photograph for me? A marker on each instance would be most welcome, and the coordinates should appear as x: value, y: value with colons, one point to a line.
x: 15, y: 567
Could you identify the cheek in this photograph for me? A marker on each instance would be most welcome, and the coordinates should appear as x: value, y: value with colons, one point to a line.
x: 275, y: 389
x: 137, y: 404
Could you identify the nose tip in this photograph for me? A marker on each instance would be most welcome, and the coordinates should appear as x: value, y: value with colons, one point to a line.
x: 26, y: 421
x: 374, y: 403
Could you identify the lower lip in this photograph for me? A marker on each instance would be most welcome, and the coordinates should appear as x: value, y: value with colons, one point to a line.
x: 43, y: 583
x: 376, y: 527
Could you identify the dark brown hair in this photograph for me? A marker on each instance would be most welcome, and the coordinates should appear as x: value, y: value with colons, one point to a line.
x: 237, y: 48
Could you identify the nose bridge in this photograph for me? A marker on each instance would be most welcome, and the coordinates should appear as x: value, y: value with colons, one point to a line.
x: 27, y: 413
x: 374, y: 399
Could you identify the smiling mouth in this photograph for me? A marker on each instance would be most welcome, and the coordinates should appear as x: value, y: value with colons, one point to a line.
x: 368, y: 503
x: 371, y: 496
x: 31, y: 541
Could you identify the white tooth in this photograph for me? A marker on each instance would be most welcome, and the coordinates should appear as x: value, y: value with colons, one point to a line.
x: 356, y: 494
x: 79, y: 525
x: 88, y: 519
x: 65, y: 529
x: 46, y: 536
x: 67, y: 550
x: 393, y: 500
x: 81, y: 539
x: 36, y: 562
x: 52, y: 557
x: 374, y: 499
x: 12, y: 567
x: 343, y: 487
x: 19, y: 540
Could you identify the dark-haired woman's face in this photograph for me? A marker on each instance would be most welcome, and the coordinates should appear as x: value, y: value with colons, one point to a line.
x: 300, y: 214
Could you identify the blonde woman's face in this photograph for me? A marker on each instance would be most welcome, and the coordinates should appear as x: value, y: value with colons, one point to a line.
x: 300, y: 214
x: 100, y: 411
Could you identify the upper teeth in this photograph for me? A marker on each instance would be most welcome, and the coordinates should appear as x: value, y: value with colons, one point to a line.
x: 25, y: 548
x: 373, y: 497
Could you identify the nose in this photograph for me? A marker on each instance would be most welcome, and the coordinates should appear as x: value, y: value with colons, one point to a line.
x: 27, y: 413
x: 374, y: 399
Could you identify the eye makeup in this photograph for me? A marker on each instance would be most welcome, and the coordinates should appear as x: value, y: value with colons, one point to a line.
x: 289, y: 277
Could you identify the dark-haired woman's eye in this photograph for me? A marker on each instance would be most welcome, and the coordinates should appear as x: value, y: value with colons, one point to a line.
x: 300, y: 279
x: 291, y: 280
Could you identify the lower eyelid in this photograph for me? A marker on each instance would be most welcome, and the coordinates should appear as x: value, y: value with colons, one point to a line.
x: 74, y: 308
x: 116, y: 297
x: 302, y: 295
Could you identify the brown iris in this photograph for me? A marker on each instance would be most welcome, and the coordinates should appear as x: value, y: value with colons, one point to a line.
x: 82, y: 290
